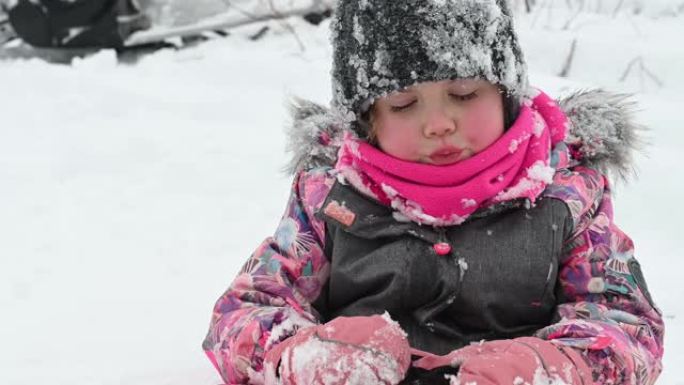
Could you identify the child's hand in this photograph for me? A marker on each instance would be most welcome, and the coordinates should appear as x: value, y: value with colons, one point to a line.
x: 346, y: 350
x: 520, y: 361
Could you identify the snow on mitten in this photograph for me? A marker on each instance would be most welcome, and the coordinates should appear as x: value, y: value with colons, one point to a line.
x: 520, y: 361
x: 347, y: 350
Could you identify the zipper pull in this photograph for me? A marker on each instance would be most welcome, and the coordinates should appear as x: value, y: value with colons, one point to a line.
x: 442, y: 247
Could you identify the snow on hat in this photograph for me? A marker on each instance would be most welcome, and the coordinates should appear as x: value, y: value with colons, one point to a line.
x: 381, y: 46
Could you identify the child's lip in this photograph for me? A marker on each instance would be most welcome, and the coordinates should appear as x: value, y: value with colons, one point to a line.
x: 446, y: 155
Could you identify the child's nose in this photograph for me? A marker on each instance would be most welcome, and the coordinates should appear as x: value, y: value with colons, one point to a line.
x: 439, y: 124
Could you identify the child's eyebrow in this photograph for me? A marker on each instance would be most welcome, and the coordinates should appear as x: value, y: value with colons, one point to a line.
x: 401, y: 93
x: 464, y: 82
x: 404, y: 91
x: 470, y: 86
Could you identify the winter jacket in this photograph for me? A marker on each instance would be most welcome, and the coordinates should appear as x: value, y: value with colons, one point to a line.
x: 560, y: 270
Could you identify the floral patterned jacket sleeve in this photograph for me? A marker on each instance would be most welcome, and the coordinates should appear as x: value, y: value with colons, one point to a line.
x: 271, y: 297
x: 605, y: 308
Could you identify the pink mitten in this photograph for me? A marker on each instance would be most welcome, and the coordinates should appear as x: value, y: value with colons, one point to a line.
x: 520, y: 361
x: 346, y: 350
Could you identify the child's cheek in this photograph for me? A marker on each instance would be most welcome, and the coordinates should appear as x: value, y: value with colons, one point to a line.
x: 482, y: 126
x: 400, y: 143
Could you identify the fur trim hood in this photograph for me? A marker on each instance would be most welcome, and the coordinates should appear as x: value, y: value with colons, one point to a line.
x: 603, y: 133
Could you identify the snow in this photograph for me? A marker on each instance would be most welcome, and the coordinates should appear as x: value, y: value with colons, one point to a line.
x: 287, y: 328
x: 538, y: 125
x: 456, y: 47
x: 182, y: 12
x: 132, y: 194
x: 463, y: 267
x: 468, y: 202
x: 513, y: 146
x: 387, y: 317
x: 358, y: 32
x: 310, y: 361
x: 539, y: 171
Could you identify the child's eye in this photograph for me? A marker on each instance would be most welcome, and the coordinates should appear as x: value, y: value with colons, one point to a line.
x: 464, y: 98
x: 404, y: 107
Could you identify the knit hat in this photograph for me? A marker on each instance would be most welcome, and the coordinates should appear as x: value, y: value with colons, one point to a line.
x: 381, y: 46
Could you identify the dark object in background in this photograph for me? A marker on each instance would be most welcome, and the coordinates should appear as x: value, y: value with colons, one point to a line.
x: 316, y: 18
x: 438, y: 376
x: 6, y: 31
x: 76, y: 24
x: 259, y: 34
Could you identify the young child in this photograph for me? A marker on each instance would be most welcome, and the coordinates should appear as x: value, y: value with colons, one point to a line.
x: 447, y: 223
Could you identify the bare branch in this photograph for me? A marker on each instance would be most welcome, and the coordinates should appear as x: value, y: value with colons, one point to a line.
x: 538, y: 11
x: 638, y: 62
x: 528, y: 6
x: 653, y: 77
x: 618, y: 8
x: 222, y: 22
x: 287, y: 25
x: 259, y: 34
x: 240, y: 10
x: 568, y: 60
x: 276, y: 15
x: 571, y: 19
x: 629, y: 68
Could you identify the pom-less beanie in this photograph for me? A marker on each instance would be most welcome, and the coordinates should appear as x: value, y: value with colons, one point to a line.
x: 381, y: 46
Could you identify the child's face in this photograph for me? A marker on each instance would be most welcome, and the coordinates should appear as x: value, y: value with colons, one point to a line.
x: 439, y: 122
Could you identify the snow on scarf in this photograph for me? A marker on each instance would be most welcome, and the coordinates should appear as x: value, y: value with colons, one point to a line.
x: 515, y: 166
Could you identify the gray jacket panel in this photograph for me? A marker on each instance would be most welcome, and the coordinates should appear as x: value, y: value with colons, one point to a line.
x: 497, y: 282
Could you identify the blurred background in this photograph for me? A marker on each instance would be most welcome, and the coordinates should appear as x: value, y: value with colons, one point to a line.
x: 141, y: 155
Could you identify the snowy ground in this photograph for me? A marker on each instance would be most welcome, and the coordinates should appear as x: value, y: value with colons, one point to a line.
x: 131, y: 195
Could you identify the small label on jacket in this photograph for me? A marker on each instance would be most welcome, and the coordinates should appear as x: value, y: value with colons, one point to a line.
x: 340, y: 213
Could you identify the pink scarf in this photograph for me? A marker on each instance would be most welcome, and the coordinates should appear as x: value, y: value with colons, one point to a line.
x: 515, y: 166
